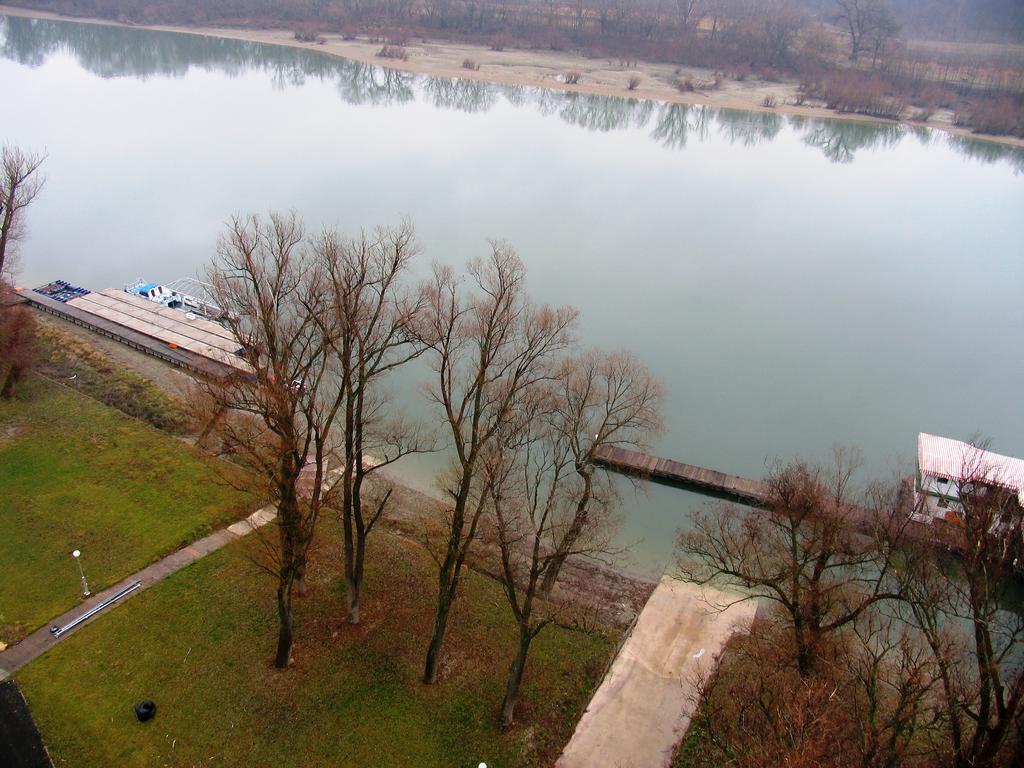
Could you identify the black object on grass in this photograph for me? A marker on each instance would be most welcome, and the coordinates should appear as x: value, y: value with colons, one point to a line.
x: 145, y: 711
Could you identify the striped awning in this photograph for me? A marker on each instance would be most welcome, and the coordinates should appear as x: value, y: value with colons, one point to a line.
x: 959, y: 461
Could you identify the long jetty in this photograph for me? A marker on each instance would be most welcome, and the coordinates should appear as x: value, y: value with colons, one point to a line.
x: 751, y: 492
x: 708, y: 481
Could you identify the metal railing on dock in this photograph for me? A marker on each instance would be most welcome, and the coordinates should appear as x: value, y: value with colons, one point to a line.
x: 182, y: 358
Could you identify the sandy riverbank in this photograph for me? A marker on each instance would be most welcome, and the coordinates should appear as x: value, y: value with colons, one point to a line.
x: 546, y: 69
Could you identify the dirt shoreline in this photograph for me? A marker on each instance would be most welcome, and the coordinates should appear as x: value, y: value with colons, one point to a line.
x: 543, y: 69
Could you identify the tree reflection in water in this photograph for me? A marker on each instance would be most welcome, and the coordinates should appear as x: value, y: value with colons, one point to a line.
x: 840, y: 140
x: 119, y: 52
x: 460, y: 94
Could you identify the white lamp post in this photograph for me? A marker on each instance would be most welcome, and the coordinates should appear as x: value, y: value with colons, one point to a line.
x: 85, y: 585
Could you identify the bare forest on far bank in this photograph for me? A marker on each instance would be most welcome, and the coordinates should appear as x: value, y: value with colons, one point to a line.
x: 887, y: 59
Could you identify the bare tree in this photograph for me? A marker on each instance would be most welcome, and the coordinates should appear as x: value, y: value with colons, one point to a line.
x: 963, y: 612
x: 279, y: 416
x: 370, y: 327
x: 688, y: 12
x: 817, y: 556
x: 603, y: 401
x: 884, y: 28
x: 489, y: 348
x: 867, y: 23
x: 522, y: 471
x: 868, y: 707
x: 755, y: 710
x: 20, y: 183
x: 886, y: 677
x: 539, y: 475
x: 781, y: 23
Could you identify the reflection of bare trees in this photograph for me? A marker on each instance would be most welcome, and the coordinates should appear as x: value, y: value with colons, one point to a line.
x: 463, y: 95
x: 676, y: 122
x: 840, y: 140
x: 989, y: 151
x: 516, y: 95
x: 748, y: 128
x: 604, y: 113
x: 360, y: 83
x: 119, y: 52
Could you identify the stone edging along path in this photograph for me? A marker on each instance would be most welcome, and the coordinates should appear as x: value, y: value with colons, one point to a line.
x: 42, y: 640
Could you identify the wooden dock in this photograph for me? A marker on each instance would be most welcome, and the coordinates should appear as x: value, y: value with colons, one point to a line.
x: 182, y: 358
x: 755, y: 494
x: 675, y: 473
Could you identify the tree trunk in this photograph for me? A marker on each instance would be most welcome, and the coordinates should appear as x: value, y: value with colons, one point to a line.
x: 515, y: 678
x: 551, y: 575
x: 353, y: 591
x: 5, y: 230
x: 579, y: 521
x: 444, y: 604
x: 286, y: 635
x: 807, y: 640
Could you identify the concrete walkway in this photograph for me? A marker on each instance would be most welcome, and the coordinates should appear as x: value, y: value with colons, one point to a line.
x: 643, y: 706
x: 40, y: 641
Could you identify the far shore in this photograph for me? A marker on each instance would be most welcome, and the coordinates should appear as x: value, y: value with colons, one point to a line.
x: 546, y: 69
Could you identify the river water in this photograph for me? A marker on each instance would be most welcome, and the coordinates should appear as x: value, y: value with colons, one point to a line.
x: 795, y: 283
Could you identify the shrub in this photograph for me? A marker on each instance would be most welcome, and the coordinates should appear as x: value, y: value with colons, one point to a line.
x: 740, y: 73
x: 17, y: 345
x: 864, y: 94
x: 633, y: 83
x: 572, y: 77
x: 470, y: 64
x: 1002, y: 116
x: 389, y: 51
x: 770, y: 101
x: 308, y: 33
x: 685, y: 86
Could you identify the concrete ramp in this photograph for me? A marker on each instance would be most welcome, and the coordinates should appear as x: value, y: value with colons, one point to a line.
x: 643, y: 707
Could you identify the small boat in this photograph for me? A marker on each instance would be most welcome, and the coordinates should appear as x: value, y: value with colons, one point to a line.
x: 156, y: 293
x: 179, y: 294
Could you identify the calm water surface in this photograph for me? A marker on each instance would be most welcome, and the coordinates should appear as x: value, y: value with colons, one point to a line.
x: 794, y: 282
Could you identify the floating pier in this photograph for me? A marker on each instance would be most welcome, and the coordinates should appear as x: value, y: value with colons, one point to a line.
x: 708, y: 481
x: 755, y: 494
x: 189, y: 342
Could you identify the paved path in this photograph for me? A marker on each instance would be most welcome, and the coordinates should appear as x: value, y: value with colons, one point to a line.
x: 643, y: 707
x: 40, y: 641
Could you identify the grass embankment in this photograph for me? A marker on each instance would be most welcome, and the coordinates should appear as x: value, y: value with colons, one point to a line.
x: 77, y: 475
x: 200, y: 645
x: 81, y: 366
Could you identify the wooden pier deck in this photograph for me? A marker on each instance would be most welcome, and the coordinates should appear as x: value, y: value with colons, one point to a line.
x: 755, y: 494
x: 180, y: 357
x: 687, y: 476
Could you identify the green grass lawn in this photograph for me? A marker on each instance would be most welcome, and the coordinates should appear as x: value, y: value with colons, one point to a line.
x: 201, y: 645
x: 75, y: 474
